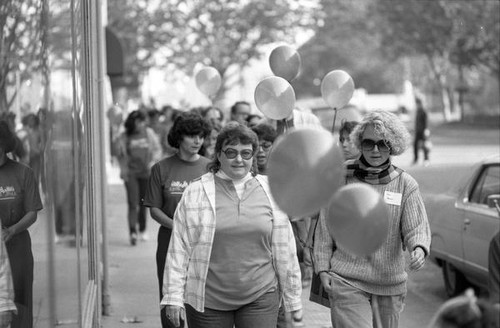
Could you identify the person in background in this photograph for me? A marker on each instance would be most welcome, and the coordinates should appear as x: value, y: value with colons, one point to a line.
x: 494, y: 268
x: 19, y: 205
x: 357, y: 285
x: 213, y: 115
x: 138, y: 149
x: 208, y: 148
x: 253, y: 120
x: 154, y: 122
x: 232, y: 257
x: 7, y: 307
x: 240, y: 112
x: 169, y: 177
x: 266, y: 134
x: 422, y: 133
x: 348, y: 148
x: 31, y: 122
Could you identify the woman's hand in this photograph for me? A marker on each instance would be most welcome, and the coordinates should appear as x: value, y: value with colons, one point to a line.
x: 417, y: 259
x: 7, y: 234
x: 326, y: 281
x: 175, y: 314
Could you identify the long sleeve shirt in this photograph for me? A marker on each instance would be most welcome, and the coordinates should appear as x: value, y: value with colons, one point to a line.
x: 188, y: 256
x: 383, y: 272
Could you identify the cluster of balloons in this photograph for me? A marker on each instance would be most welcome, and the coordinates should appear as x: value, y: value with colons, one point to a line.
x: 306, y: 172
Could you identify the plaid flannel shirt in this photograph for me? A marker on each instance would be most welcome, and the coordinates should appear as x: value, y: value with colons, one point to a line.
x: 6, y: 286
x: 189, y: 252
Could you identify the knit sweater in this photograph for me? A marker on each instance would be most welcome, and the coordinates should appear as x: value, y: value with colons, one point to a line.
x: 383, y: 272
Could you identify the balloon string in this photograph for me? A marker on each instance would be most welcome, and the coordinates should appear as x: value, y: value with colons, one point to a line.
x: 376, y: 311
x: 334, y: 118
x: 285, y: 125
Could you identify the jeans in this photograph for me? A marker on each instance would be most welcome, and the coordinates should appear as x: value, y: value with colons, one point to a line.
x: 136, y: 189
x: 261, y: 313
x: 352, y: 307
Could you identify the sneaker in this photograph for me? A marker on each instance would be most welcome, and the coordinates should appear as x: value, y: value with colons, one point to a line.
x: 133, y: 239
x: 143, y: 236
x: 427, y: 163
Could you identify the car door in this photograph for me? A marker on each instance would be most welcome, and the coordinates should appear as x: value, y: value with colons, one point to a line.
x: 480, y: 224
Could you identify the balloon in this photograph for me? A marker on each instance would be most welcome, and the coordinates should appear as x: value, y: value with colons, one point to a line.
x: 285, y: 62
x: 208, y: 81
x: 337, y: 88
x: 305, y: 169
x: 275, y: 98
x: 358, y: 218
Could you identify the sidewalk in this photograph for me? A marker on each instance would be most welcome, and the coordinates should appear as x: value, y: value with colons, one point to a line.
x: 132, y: 273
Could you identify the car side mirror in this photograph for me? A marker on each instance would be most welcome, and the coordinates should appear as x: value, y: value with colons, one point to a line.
x: 494, y: 201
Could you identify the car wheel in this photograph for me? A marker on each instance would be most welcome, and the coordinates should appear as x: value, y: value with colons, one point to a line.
x: 454, y: 280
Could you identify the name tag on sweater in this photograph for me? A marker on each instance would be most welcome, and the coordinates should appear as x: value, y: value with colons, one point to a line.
x: 393, y: 198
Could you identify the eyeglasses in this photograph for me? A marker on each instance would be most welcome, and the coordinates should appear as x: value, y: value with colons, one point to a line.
x: 265, y: 145
x: 232, y: 153
x: 382, y: 145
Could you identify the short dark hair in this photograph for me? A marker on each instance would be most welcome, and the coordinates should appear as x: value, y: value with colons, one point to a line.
x: 187, y: 124
x: 231, y: 134
x: 8, y: 139
x: 236, y: 104
x: 205, y: 111
x: 130, y: 121
x: 265, y: 131
x: 347, y: 127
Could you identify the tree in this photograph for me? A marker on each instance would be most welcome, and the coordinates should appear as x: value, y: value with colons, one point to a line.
x: 21, y: 44
x: 225, y: 33
x: 345, y: 39
x: 450, y: 34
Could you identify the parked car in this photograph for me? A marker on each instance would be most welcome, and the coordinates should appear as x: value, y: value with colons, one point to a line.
x: 463, y: 222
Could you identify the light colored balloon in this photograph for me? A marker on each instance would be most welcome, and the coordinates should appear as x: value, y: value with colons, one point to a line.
x: 305, y: 169
x: 337, y: 88
x: 358, y: 218
x: 285, y: 62
x: 275, y: 98
x: 208, y: 81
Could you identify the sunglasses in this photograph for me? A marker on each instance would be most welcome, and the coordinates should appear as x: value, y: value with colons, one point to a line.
x: 232, y: 153
x: 265, y: 145
x: 382, y: 145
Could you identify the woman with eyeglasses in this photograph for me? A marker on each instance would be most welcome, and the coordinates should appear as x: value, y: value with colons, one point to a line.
x: 370, y: 290
x: 232, y: 255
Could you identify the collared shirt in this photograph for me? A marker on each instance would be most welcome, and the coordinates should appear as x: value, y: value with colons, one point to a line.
x: 188, y: 256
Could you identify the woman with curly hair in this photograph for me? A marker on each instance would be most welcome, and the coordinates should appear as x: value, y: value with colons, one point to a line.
x: 369, y: 291
x: 169, y: 178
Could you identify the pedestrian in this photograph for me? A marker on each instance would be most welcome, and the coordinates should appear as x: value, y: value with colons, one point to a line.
x: 208, y: 148
x: 253, y: 120
x: 422, y: 133
x: 494, y: 267
x: 213, y: 115
x: 240, y: 111
x: 266, y: 134
x: 137, y: 150
x: 232, y: 257
x: 31, y: 123
x: 19, y: 205
x: 169, y: 177
x: 364, y: 289
x: 158, y: 127
x: 348, y: 148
